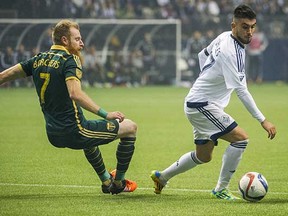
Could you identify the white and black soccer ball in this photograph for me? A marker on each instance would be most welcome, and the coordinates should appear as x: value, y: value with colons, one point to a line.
x: 253, y: 186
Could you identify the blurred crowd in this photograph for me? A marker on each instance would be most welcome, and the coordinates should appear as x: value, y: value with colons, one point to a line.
x: 201, y: 21
x: 194, y: 14
x: 139, y: 9
x: 116, y: 70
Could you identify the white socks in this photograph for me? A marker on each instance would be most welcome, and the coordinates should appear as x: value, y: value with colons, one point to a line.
x: 230, y: 161
x: 186, y: 162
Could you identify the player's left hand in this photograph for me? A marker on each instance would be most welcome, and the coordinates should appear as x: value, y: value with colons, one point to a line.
x: 115, y: 115
x: 270, y: 128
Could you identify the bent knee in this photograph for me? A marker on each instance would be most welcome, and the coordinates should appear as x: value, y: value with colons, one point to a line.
x: 241, y: 134
x: 204, y: 158
x: 242, y: 137
x: 129, y: 127
x: 237, y: 134
x: 204, y: 152
x: 133, y: 126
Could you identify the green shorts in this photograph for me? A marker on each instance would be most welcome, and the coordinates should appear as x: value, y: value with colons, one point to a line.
x: 91, y: 133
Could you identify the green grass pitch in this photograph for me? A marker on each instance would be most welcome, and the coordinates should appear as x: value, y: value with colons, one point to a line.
x: 39, y: 179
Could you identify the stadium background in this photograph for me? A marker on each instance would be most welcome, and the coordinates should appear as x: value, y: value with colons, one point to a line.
x: 38, y: 179
x: 144, y: 62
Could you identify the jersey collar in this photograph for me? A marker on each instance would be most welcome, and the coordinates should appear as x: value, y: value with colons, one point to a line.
x: 59, y: 47
x: 240, y: 44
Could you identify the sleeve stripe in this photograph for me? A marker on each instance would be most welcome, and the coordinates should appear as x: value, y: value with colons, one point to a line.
x: 72, y: 77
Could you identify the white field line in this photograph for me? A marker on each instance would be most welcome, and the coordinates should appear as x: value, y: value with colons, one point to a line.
x: 87, y: 186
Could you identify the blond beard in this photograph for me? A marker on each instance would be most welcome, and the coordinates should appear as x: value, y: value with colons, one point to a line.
x: 77, y: 53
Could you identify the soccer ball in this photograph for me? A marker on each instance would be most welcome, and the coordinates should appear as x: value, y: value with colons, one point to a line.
x: 253, y: 186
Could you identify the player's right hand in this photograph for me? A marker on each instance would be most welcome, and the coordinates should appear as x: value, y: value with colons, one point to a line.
x: 115, y: 115
x: 270, y: 128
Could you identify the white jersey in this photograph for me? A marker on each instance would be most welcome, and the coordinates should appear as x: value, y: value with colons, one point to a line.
x: 222, y: 66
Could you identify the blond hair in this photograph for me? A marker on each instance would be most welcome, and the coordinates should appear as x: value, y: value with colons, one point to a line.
x: 61, y: 29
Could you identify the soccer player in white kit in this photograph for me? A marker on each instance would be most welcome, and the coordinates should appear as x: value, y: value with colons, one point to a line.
x: 222, y: 66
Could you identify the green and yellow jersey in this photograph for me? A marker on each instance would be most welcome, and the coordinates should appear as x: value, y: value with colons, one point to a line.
x: 50, y: 70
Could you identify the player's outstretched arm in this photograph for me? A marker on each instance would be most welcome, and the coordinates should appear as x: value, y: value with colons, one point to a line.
x: 12, y: 73
x: 270, y: 128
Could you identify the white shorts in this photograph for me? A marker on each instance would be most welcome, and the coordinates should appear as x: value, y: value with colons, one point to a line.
x: 209, y: 121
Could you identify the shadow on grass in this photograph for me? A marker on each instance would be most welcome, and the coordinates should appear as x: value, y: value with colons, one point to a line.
x: 138, y: 197
x: 105, y: 197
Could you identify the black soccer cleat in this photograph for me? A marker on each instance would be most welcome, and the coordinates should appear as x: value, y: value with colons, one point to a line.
x: 106, y: 188
x: 115, y: 189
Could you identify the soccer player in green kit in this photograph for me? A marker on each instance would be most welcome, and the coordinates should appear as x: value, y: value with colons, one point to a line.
x: 57, y: 77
